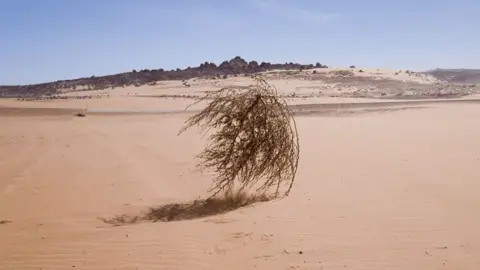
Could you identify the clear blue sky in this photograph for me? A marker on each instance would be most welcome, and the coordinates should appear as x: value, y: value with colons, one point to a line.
x: 44, y: 40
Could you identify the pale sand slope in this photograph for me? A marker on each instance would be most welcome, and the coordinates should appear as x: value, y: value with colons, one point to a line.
x: 397, y: 190
x: 300, y: 87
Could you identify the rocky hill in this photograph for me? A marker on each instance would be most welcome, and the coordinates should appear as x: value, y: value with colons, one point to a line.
x: 234, y: 67
x: 461, y: 76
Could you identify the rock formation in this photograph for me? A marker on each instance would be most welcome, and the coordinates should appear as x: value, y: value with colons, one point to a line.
x: 236, y: 66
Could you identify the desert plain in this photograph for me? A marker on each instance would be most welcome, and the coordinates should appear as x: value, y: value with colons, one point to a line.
x: 381, y: 184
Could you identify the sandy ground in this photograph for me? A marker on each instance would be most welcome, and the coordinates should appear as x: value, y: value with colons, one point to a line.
x: 377, y: 188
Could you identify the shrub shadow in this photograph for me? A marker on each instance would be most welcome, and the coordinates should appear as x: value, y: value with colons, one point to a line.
x: 191, y: 210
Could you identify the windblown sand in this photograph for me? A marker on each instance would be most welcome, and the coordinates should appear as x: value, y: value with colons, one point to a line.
x: 382, y: 189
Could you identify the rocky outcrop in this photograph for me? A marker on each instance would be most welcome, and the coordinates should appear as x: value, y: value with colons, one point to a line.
x: 236, y: 66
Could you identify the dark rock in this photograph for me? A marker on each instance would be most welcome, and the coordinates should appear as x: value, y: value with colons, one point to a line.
x: 318, y: 65
x: 234, y: 66
x: 253, y: 65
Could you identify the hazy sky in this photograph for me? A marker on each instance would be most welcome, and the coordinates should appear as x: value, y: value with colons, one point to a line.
x: 44, y: 40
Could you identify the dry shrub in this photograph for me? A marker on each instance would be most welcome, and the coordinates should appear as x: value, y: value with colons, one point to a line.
x: 255, y: 139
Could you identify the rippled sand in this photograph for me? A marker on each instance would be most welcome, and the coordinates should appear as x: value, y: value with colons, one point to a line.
x: 377, y: 188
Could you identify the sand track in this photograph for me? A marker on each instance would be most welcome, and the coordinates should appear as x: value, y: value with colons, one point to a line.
x: 304, y: 108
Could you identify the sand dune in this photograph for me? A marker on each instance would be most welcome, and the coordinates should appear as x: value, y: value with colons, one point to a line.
x: 384, y: 187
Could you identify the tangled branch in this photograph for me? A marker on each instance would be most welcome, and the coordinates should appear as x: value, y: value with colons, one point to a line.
x: 255, y: 139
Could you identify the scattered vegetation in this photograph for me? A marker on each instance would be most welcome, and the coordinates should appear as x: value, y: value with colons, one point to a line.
x: 255, y: 142
x: 342, y: 72
x: 236, y: 65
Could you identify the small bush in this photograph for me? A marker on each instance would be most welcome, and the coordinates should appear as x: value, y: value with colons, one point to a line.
x: 255, y: 140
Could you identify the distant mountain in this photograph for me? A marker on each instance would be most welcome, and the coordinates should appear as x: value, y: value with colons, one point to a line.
x: 463, y: 76
x: 234, y: 67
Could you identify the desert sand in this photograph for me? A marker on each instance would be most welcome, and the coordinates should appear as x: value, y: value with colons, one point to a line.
x: 379, y: 186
